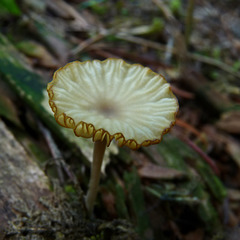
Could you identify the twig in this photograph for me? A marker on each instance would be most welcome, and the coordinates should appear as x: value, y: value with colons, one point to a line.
x: 90, y: 41
x: 57, y: 156
x: 194, y: 56
x: 54, y: 151
x: 213, y: 62
x: 165, y: 10
x: 63, y: 9
x: 204, y: 156
x: 182, y: 93
x: 144, y: 42
x: 190, y: 128
x: 103, y: 53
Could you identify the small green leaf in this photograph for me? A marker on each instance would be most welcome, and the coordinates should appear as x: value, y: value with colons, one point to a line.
x: 136, y: 199
x: 236, y: 66
x: 120, y: 202
x: 9, y: 6
x: 175, y: 6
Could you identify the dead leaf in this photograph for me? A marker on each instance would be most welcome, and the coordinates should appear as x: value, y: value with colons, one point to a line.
x: 230, y: 122
x: 195, y: 235
x: 65, y: 10
x: 7, y: 108
x: 153, y: 171
x: 39, y: 52
x: 233, y: 148
x: 233, y: 194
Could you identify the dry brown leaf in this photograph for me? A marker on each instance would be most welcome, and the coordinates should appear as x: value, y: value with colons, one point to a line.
x: 233, y: 194
x: 39, y: 53
x: 195, y: 235
x: 65, y: 10
x: 7, y: 108
x: 230, y: 122
x: 153, y: 171
x: 233, y: 148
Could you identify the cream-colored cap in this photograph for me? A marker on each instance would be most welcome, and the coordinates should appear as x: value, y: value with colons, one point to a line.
x: 113, y: 99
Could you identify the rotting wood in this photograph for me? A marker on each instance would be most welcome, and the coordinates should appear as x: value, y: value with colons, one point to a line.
x: 22, y: 182
x: 30, y: 211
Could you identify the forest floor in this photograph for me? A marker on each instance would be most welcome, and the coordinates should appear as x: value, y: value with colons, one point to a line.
x: 188, y: 186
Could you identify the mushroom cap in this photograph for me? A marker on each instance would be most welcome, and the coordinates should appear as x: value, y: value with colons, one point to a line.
x: 112, y: 99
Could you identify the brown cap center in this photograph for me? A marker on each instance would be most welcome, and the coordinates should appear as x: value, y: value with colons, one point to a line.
x: 107, y: 109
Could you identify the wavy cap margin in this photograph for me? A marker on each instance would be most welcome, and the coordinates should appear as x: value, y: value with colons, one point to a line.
x: 87, y: 130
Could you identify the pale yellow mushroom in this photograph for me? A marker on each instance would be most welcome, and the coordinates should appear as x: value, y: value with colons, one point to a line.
x: 111, y: 99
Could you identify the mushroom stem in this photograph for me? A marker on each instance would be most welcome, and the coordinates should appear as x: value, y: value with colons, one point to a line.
x: 98, y: 153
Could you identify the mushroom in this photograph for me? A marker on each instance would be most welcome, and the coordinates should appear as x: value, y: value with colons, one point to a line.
x: 111, y: 99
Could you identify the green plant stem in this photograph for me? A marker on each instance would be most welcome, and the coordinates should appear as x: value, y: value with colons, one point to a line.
x: 98, y: 153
